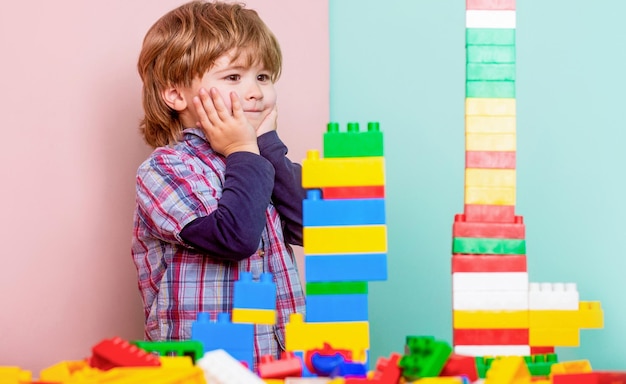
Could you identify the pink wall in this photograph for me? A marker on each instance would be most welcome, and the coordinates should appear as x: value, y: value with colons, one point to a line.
x: 71, y: 148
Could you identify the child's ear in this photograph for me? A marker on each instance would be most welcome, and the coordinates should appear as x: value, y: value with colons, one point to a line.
x: 174, y: 98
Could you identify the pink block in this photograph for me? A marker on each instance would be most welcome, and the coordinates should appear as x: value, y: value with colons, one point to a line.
x: 490, y: 159
x: 501, y: 5
x: 489, y: 263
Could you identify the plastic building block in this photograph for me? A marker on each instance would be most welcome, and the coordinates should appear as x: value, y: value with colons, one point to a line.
x: 116, y: 352
x: 490, y: 336
x: 578, y: 378
x: 354, y: 267
x: 254, y: 316
x: 336, y: 288
x: 499, y: 178
x: 490, y: 89
x: 490, y: 320
x: 490, y: 195
x: 496, y: 54
x: 424, y: 357
x: 236, y: 339
x: 14, y: 375
x: 567, y: 367
x: 490, y: 4
x: 288, y: 365
x: 557, y: 336
x: 490, y: 107
x: 553, y: 296
x: 489, y: 246
x: 345, y: 239
x: 461, y: 229
x: 357, y: 192
x: 590, y: 314
x: 353, y: 143
x: 509, y: 369
x: 459, y: 365
x: 301, y: 336
x: 191, y: 348
x: 489, y: 36
x: 318, y: 212
x: 490, y: 71
x: 387, y: 372
x: 255, y: 295
x: 336, y: 307
x: 492, y: 350
x: 324, y: 364
x: 490, y: 213
x: 221, y: 368
x: 490, y: 300
x: 490, y: 281
x: 490, y: 159
x: 541, y: 350
x: 342, y: 172
x: 489, y: 263
x: 540, y: 365
x: 490, y: 19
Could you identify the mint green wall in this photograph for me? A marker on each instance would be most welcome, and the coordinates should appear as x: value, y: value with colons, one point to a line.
x: 401, y: 62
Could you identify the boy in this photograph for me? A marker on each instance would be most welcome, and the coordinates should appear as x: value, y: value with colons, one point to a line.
x: 218, y: 195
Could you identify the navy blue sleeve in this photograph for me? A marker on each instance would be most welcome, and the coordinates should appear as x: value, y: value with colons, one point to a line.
x: 288, y: 193
x: 233, y: 231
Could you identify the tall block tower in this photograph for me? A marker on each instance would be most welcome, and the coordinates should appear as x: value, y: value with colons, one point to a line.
x: 496, y: 311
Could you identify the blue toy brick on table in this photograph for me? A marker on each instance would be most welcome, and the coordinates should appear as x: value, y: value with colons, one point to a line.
x: 335, y: 308
x: 255, y: 294
x: 319, y: 212
x: 346, y: 267
x: 236, y: 339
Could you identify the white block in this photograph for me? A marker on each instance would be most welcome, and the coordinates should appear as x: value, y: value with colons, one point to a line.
x: 307, y: 380
x: 490, y: 281
x: 553, y: 296
x: 490, y: 19
x: 492, y: 350
x: 489, y: 300
x: 221, y: 368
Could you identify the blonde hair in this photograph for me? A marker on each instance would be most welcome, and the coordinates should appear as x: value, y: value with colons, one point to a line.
x: 183, y: 44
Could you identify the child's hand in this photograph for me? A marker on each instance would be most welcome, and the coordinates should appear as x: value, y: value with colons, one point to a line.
x: 269, y: 122
x: 227, y: 131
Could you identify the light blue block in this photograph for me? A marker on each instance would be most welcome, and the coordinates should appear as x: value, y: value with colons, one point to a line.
x: 251, y: 294
x: 236, y: 339
x: 351, y: 267
x: 334, y: 308
x: 319, y: 212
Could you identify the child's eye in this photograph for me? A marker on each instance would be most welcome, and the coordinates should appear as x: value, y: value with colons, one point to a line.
x: 233, y: 77
x: 263, y: 77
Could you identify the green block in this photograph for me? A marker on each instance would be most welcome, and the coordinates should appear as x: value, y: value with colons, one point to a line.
x: 476, y: 245
x: 540, y: 365
x: 192, y: 348
x: 490, y: 72
x: 337, y: 288
x: 491, y: 54
x: 490, y: 36
x: 353, y: 143
x: 425, y: 357
x: 482, y: 365
x: 490, y: 89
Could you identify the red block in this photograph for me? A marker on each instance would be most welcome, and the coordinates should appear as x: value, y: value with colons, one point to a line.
x: 462, y: 228
x: 459, y: 365
x: 364, y: 192
x: 491, y: 213
x: 507, y: 5
x: 490, y: 159
x: 116, y: 352
x: 387, y: 372
x: 490, y: 336
x: 576, y: 378
x: 611, y: 377
x: 288, y: 366
x: 489, y: 263
x: 541, y: 350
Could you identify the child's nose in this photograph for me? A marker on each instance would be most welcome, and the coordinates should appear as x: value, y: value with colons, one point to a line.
x: 253, y: 90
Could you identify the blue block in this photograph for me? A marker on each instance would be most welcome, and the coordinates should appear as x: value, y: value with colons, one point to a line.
x: 352, y: 267
x: 255, y: 294
x: 336, y: 308
x: 305, y: 369
x: 319, y: 212
x: 236, y: 339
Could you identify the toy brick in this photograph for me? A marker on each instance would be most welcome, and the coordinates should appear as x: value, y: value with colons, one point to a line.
x: 489, y: 263
x: 336, y: 288
x: 459, y: 365
x: 490, y: 107
x: 221, y: 368
x: 354, y: 267
x: 255, y: 294
x: 508, y: 369
x: 441, y: 380
x: 386, y: 372
x: 488, y: 246
x: 490, y: 213
x: 153, y: 375
x: 490, y: 4
x: 236, y: 339
x: 254, y: 316
x: 17, y: 375
x: 189, y: 348
x: 490, y: 195
x: 534, y: 350
x: 345, y: 239
x: 336, y: 307
x: 490, y: 89
x: 490, y: 320
x: 116, y: 352
x: 490, y: 19
x: 353, y: 142
x: 490, y: 71
x: 567, y: 367
x: 553, y: 296
x: 490, y: 300
x: 301, y: 336
x: 578, y: 378
x: 288, y: 365
x: 342, y: 172
x: 63, y: 371
x: 590, y: 314
x: 490, y: 54
x: 490, y: 36
x: 490, y: 124
x: 424, y: 357
x: 605, y: 377
x: 357, y: 192
x: 489, y: 281
x: 490, y: 142
x: 488, y: 230
x: 490, y: 159
x: 318, y: 212
x: 490, y: 336
x: 492, y: 350
x: 557, y: 336
x: 540, y: 364
x: 493, y: 178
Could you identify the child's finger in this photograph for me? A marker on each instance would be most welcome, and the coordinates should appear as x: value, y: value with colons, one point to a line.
x: 204, y: 108
x: 220, y: 107
x: 237, y: 108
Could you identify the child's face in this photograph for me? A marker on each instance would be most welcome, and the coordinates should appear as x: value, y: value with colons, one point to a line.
x: 253, y: 85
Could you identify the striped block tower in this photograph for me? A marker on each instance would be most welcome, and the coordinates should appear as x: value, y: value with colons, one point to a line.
x: 345, y: 239
x: 495, y: 309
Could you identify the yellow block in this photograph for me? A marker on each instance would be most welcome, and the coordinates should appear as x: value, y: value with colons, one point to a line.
x: 254, y: 316
x: 482, y: 177
x: 176, y: 361
x: 490, y: 195
x: 490, y: 141
x: 489, y: 107
x: 490, y: 319
x: 557, y: 337
x: 63, y: 371
x: 152, y: 375
x: 342, y: 172
x: 490, y: 124
x: 351, y: 335
x: 439, y: 380
x: 590, y: 314
x: 567, y: 367
x: 14, y: 375
x: 508, y: 369
x: 345, y: 239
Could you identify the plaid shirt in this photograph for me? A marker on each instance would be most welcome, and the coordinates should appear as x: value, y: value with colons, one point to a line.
x: 176, y: 185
